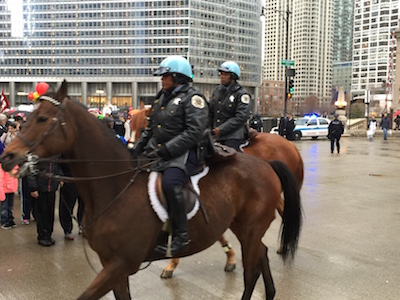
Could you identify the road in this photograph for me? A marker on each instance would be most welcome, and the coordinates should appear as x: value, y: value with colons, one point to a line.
x: 348, y: 248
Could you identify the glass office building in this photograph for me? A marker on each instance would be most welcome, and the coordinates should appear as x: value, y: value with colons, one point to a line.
x: 108, y: 50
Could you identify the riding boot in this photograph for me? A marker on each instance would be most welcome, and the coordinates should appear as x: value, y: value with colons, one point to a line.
x: 177, y: 214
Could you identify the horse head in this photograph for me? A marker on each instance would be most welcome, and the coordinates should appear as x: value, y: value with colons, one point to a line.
x: 42, y: 135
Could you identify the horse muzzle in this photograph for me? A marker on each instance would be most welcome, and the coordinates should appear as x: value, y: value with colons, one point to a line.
x: 10, y: 160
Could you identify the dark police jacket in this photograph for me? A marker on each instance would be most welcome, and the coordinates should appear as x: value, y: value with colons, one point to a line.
x: 229, y: 111
x: 178, y: 122
x: 42, y: 183
x: 336, y: 128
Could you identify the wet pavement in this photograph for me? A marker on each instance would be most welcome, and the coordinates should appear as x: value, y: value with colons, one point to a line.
x: 348, y: 248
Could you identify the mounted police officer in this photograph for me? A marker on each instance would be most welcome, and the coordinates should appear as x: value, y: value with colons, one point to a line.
x: 176, y: 126
x: 229, y: 107
x: 335, y: 131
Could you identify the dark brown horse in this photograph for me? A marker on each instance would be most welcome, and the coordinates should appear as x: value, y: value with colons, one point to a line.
x: 119, y: 222
x: 263, y: 145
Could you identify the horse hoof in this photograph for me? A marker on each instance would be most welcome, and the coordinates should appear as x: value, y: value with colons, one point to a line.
x: 280, y: 251
x: 166, y: 274
x: 230, y: 267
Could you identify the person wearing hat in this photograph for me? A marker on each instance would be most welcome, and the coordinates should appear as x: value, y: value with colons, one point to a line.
x: 335, y: 131
x: 176, y: 126
x: 229, y: 107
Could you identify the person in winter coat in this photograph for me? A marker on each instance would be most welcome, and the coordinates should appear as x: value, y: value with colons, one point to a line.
x: 372, y: 128
x: 9, y: 185
x: 290, y: 125
x: 43, y: 190
x: 335, y: 131
x: 175, y: 128
x: 229, y: 107
x: 386, y: 125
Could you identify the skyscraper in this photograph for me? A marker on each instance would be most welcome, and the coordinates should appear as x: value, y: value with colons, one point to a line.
x: 374, y: 23
x: 343, y: 44
x: 108, y: 50
x: 311, y: 31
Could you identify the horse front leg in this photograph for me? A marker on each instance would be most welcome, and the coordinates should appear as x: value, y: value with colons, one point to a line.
x: 170, y: 268
x: 107, y: 280
x: 230, y: 255
x: 121, y: 290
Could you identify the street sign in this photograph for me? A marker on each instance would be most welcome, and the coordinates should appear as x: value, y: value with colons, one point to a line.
x: 285, y: 62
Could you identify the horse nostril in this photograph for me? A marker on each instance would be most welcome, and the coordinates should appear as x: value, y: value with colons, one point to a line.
x: 6, y: 158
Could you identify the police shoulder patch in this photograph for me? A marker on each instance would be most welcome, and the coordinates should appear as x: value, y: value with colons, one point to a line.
x: 198, y: 101
x: 245, y: 99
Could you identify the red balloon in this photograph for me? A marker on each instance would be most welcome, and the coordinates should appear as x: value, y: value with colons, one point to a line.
x: 41, y: 88
x: 30, y: 96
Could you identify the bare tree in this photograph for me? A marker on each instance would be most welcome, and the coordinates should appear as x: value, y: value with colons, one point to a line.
x: 310, y: 104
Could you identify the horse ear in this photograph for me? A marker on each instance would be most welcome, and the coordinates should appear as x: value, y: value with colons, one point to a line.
x: 62, y: 92
x: 141, y: 104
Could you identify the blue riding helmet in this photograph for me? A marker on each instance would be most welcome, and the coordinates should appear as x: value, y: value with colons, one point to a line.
x: 230, y: 67
x: 175, y: 64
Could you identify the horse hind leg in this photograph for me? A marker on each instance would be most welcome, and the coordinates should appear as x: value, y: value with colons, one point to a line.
x: 230, y: 265
x: 254, y: 265
x: 170, y: 268
x: 266, y: 272
x: 252, y: 271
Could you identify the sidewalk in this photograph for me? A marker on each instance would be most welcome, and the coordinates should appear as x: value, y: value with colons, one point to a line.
x: 361, y: 133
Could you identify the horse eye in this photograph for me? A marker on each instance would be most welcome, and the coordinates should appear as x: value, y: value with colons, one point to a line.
x: 42, y: 119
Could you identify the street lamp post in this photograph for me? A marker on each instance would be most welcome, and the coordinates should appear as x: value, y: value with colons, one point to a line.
x: 99, y: 92
x: 286, y: 19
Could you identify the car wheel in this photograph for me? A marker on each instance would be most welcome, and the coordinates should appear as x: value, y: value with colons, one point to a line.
x: 297, y: 135
x: 314, y: 137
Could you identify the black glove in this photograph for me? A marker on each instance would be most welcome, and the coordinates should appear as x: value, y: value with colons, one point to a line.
x: 135, y: 152
x: 138, y: 147
x: 164, y: 153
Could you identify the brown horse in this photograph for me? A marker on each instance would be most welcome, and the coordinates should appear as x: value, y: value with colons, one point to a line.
x: 138, y: 121
x: 240, y: 193
x: 263, y: 145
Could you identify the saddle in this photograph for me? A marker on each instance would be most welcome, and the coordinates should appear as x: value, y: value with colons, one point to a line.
x: 221, y: 153
x: 191, y: 193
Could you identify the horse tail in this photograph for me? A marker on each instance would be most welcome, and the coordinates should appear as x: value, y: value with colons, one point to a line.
x: 292, y: 213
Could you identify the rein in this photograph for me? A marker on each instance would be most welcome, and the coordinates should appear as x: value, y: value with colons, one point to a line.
x: 145, y: 167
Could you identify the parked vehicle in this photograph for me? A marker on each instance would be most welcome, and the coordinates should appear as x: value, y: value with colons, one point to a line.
x: 308, y: 126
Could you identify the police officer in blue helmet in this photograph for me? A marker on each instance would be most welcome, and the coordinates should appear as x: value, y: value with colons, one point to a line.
x: 176, y: 126
x: 229, y: 107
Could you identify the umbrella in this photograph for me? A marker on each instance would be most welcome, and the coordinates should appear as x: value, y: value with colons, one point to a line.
x: 396, y: 113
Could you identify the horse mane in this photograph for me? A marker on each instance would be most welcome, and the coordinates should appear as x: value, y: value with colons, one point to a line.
x: 93, y: 121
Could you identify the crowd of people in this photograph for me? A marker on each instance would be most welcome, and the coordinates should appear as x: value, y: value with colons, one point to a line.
x: 37, y: 194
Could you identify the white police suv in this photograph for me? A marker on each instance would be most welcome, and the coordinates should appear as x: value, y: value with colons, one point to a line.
x: 309, y: 126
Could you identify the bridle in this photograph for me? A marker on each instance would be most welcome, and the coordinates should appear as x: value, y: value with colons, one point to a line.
x: 31, y: 158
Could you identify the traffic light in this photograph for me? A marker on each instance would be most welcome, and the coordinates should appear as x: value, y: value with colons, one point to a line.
x: 291, y: 85
x: 289, y: 95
